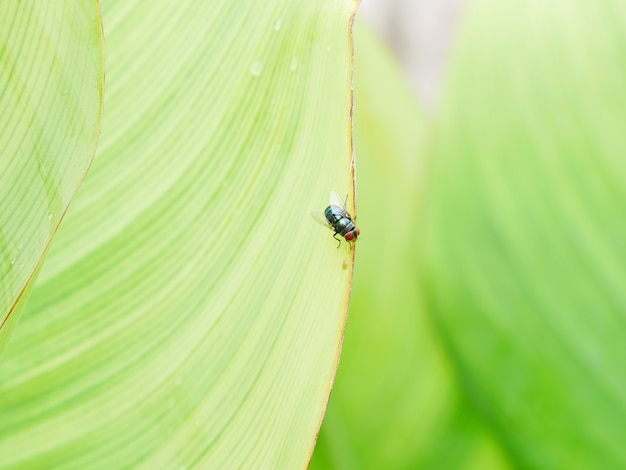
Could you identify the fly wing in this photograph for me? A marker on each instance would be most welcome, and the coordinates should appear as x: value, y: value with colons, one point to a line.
x: 321, y: 219
x: 336, y: 200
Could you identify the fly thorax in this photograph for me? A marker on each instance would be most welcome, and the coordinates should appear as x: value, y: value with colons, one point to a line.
x: 342, y: 224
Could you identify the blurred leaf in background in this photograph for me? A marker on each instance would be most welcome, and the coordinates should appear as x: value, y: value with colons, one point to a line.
x: 394, y: 403
x: 190, y: 311
x: 51, y: 92
x: 526, y: 247
x: 516, y: 216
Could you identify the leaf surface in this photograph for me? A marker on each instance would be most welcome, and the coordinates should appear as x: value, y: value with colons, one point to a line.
x: 191, y: 312
x: 51, y: 91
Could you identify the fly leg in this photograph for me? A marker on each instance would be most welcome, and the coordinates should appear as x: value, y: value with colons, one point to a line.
x: 338, y: 239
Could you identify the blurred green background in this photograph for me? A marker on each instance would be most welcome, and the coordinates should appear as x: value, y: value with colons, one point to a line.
x: 487, y: 325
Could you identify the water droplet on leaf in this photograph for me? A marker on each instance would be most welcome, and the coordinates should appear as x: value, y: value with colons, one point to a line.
x: 256, y: 68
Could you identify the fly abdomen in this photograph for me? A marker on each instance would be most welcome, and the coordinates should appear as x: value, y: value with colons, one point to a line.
x: 334, y: 214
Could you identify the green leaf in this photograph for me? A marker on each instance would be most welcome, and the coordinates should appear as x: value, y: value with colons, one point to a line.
x: 51, y: 88
x: 190, y: 313
x: 525, y: 249
x: 395, y: 402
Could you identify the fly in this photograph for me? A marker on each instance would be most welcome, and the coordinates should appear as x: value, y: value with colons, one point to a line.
x: 338, y: 219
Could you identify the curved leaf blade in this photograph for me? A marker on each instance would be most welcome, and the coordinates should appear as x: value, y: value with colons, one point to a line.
x: 51, y: 90
x: 191, y: 311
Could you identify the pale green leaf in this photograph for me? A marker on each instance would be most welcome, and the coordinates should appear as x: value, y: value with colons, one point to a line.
x: 526, y: 257
x: 191, y: 311
x: 51, y: 88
